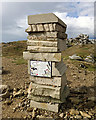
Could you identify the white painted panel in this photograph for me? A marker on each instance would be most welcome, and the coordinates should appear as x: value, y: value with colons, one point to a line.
x: 39, y: 68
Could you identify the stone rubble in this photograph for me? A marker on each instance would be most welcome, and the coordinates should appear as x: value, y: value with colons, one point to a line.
x: 81, y: 39
x: 90, y: 58
x: 77, y: 109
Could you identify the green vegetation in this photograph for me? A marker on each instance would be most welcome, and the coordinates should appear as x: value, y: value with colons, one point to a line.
x: 13, y: 49
x: 19, y: 61
x: 82, y: 51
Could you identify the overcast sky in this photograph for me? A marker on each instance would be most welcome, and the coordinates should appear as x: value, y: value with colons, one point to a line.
x: 79, y: 17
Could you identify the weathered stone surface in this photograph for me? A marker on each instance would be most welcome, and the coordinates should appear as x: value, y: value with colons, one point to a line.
x: 34, y: 28
x: 40, y: 27
x: 42, y: 43
x: 54, y: 81
x: 44, y: 18
x: 60, y: 44
x: 4, y: 91
x: 41, y: 98
x: 46, y: 27
x: 50, y: 27
x: 58, y: 68
x: 45, y: 35
x: 42, y: 49
x: 29, y: 29
x: 46, y: 106
x: 42, y: 56
x: 44, y: 90
x: 45, y: 99
x: 58, y: 27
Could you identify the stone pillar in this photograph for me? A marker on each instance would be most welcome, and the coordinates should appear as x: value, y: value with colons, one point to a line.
x: 46, y: 40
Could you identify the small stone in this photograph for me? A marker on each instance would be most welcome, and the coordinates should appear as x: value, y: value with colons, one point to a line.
x: 29, y: 109
x: 78, y: 116
x: 61, y: 115
x: 18, y: 93
x: 90, y: 113
x: 74, y: 112
x: 40, y: 116
x: 33, y: 113
x: 84, y: 114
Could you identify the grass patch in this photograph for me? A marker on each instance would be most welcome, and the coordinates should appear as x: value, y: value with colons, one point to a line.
x: 82, y: 51
x: 13, y: 48
x: 19, y: 61
x: 89, y: 66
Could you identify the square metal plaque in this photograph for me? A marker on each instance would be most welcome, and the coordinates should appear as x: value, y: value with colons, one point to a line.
x: 39, y: 68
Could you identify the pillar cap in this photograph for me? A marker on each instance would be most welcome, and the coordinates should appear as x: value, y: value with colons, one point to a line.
x: 45, y: 18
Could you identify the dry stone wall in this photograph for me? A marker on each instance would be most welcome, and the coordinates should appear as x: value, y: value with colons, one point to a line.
x: 46, y: 41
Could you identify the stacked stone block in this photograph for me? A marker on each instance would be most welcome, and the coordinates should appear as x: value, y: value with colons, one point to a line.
x: 46, y: 41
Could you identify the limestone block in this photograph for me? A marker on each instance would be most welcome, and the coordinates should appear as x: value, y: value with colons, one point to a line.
x: 34, y: 28
x: 61, y: 45
x: 51, y: 27
x: 40, y: 27
x: 58, y: 27
x: 29, y: 29
x: 46, y: 27
x: 54, y: 81
x: 39, y: 98
x: 44, y: 90
x: 45, y: 99
x: 46, y: 106
x: 45, y: 18
x: 45, y: 35
x: 58, y: 68
x: 42, y: 56
x: 42, y: 43
x: 56, y: 34
x: 42, y: 49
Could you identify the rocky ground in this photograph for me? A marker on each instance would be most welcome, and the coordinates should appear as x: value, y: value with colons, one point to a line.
x: 79, y: 105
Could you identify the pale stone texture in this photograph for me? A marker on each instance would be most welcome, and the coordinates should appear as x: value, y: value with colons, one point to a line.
x: 45, y: 90
x: 34, y: 28
x: 45, y: 18
x: 46, y: 106
x: 54, y: 81
x: 42, y: 56
x: 60, y: 44
x: 42, y: 43
x: 45, y: 35
x: 51, y: 27
x: 41, y: 98
x: 29, y: 29
x: 40, y: 27
x: 42, y: 49
x: 44, y: 99
x: 58, y: 69
x: 46, y: 27
x: 58, y: 27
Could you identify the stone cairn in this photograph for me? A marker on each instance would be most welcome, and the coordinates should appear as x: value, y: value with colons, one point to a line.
x: 46, y: 41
